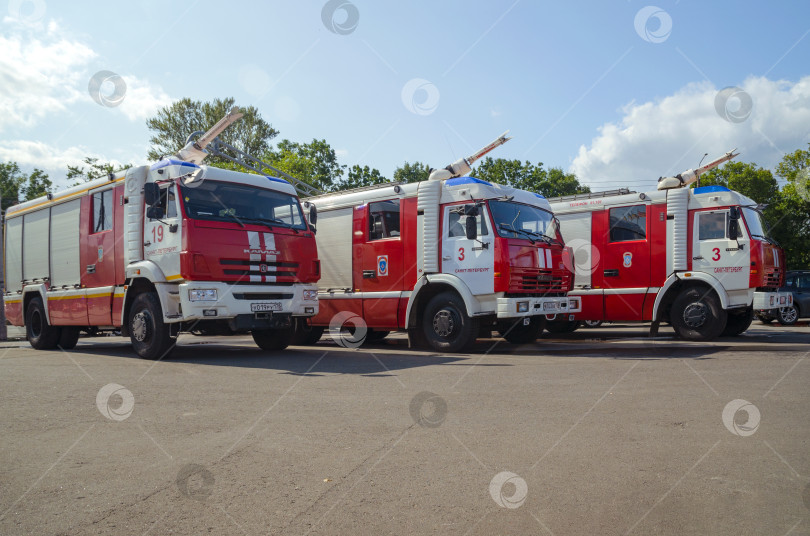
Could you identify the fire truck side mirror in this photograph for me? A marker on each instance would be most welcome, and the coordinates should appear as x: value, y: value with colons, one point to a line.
x: 151, y: 193
x: 733, y: 222
x: 313, y: 215
x: 471, y: 227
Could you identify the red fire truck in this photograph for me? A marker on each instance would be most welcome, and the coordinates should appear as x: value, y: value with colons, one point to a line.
x: 700, y: 258
x: 156, y: 250
x: 443, y: 259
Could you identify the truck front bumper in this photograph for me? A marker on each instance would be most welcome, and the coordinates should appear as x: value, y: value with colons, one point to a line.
x: 520, y: 307
x: 765, y: 301
x: 232, y: 301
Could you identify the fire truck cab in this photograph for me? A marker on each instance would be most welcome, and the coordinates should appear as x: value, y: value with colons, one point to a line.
x: 443, y: 259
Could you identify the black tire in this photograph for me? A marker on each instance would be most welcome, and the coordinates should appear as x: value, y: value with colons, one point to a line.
x: 562, y: 326
x: 273, y: 340
x: 446, y: 325
x: 38, y: 331
x: 69, y: 338
x: 305, y: 334
x: 150, y: 336
x: 737, y: 323
x: 787, y: 316
x: 516, y: 332
x: 591, y: 323
x: 696, y: 314
x: 765, y: 319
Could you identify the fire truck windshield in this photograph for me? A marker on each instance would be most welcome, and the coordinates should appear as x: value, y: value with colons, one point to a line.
x: 240, y: 203
x: 756, y: 226
x: 513, y: 220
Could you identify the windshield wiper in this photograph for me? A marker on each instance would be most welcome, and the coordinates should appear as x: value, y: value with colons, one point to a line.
x: 271, y: 222
x: 550, y: 239
x: 529, y: 234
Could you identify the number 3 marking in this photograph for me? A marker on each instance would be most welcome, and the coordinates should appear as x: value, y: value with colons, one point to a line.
x: 461, y: 254
x: 716, y: 254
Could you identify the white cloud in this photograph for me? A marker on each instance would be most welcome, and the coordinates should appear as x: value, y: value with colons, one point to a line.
x: 53, y: 160
x: 670, y: 135
x: 44, y: 72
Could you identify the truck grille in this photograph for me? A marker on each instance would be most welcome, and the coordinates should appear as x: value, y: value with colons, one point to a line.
x: 772, y: 277
x: 246, y: 270
x: 538, y: 281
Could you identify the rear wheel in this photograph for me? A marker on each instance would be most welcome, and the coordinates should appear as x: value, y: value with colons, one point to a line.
x: 696, y: 314
x: 69, y: 338
x: 562, y: 326
x: 272, y: 339
x: 787, y: 316
x: 39, y: 332
x: 517, y: 331
x: 765, y: 319
x: 592, y: 323
x: 737, y: 323
x: 374, y: 335
x: 446, y: 325
x: 150, y: 336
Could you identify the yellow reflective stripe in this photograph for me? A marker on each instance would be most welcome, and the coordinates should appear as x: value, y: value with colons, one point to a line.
x: 173, y: 277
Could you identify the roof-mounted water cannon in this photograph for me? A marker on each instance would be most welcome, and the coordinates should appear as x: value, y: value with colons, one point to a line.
x: 464, y: 165
x: 691, y: 175
x: 194, y: 151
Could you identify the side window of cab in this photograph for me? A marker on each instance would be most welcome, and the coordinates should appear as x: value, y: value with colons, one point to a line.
x: 168, y: 201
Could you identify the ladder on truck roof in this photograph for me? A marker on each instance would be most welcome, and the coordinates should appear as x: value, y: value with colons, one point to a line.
x: 591, y: 195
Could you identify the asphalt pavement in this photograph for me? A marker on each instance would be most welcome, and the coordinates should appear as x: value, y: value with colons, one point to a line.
x: 602, y: 431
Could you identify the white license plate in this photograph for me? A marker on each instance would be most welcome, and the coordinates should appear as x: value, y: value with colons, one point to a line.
x: 262, y: 307
x: 550, y: 306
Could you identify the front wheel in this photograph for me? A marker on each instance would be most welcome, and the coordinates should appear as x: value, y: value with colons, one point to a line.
x: 787, y: 316
x: 150, y: 336
x: 446, y: 325
x: 38, y: 331
x: 696, y: 315
x: 737, y: 323
x: 272, y: 339
x: 306, y: 334
x: 592, y: 323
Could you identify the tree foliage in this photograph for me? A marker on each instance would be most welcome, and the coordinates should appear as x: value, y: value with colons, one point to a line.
x: 314, y: 163
x: 361, y: 176
x: 93, y: 170
x: 527, y: 176
x: 173, y: 124
x: 16, y: 186
x: 412, y: 172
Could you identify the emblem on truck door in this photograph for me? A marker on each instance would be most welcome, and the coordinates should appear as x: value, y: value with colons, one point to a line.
x: 627, y: 259
x: 382, y: 265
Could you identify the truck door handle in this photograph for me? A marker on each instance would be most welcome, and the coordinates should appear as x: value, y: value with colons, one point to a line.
x: 369, y: 274
x: 147, y: 243
x: 446, y: 258
x: 91, y: 268
x: 697, y: 258
x: 611, y: 273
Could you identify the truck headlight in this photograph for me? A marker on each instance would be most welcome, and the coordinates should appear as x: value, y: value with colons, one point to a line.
x: 522, y: 307
x: 202, y: 294
x: 310, y: 294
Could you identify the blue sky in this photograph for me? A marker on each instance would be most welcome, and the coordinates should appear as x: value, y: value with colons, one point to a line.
x: 618, y: 92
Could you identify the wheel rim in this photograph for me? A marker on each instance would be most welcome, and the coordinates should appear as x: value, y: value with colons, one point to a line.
x: 789, y: 314
x: 140, y: 326
x: 695, y: 314
x: 36, y: 324
x: 444, y: 323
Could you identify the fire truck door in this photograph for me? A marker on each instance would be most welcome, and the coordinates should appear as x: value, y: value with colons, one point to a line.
x: 162, y: 236
x: 380, y: 277
x: 625, y: 266
x: 714, y: 253
x: 98, y: 256
x: 472, y: 261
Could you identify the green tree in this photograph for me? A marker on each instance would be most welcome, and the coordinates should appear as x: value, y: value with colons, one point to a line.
x: 747, y: 178
x: 16, y: 185
x: 314, y: 163
x: 792, y: 225
x: 361, y: 176
x: 173, y: 124
x: 412, y: 172
x: 527, y: 176
x: 94, y: 170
